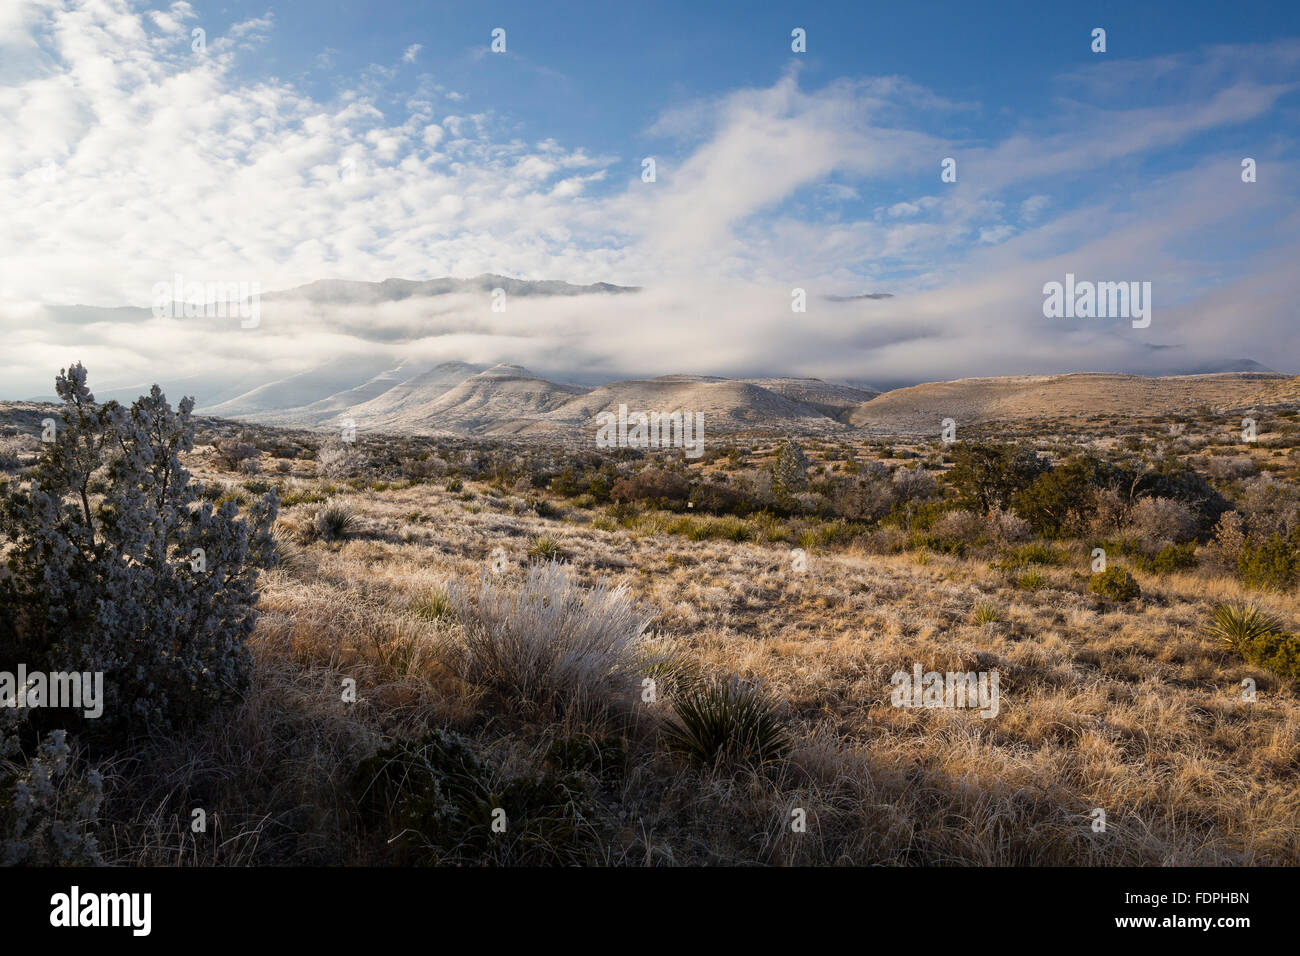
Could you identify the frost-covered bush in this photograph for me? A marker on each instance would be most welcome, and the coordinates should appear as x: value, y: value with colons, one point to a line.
x: 48, y: 807
x: 118, y: 568
x: 1229, y: 538
x: 551, y: 643
x: 1227, y: 468
x: 336, y: 461
x: 1158, y: 522
x: 1269, y: 507
x: 958, y: 527
x: 915, y: 484
x: 1006, y: 527
x: 864, y: 497
x: 9, y: 460
x: 234, y: 454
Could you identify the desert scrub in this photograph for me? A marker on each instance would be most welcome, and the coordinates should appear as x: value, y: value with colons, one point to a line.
x: 1115, y: 584
x: 147, y: 585
x: 436, y: 800
x: 725, y: 722
x: 1170, y: 558
x: 550, y: 644
x: 1273, y: 565
x: 985, y: 613
x: 335, y: 521
x: 1036, y: 552
x: 1274, y: 651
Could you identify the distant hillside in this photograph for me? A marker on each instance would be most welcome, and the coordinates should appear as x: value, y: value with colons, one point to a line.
x: 980, y: 400
x: 298, y: 390
x: 1284, y: 392
x: 833, y: 401
x: 726, y: 404
x: 499, y: 400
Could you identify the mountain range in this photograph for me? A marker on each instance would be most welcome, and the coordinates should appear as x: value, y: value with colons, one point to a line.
x: 472, y: 399
x: 503, y: 400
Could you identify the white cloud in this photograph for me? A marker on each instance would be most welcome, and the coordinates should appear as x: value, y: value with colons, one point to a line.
x: 164, y: 161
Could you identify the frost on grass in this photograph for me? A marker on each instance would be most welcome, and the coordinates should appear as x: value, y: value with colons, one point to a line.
x: 550, y: 643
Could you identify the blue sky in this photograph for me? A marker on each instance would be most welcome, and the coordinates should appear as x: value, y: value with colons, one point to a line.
x: 312, y: 140
x: 599, y: 75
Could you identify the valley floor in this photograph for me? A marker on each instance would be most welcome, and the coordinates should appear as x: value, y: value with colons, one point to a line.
x: 1130, y: 709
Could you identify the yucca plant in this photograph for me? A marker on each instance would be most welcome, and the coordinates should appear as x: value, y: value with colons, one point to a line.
x: 433, y: 605
x: 1031, y: 580
x: 726, y: 721
x: 286, y: 549
x: 335, y: 521
x: 984, y: 613
x: 673, y: 674
x: 545, y: 549
x: 1237, y: 623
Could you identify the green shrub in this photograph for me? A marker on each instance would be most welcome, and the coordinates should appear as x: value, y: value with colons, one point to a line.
x: 300, y: 496
x: 1036, y: 552
x: 789, y: 470
x: 1273, y: 564
x: 432, y: 605
x: 984, y: 613
x: 1274, y: 651
x: 730, y: 529
x: 727, y: 722
x: 1170, y: 558
x: 1031, y: 581
x: 991, y: 474
x: 1058, y: 502
x: 541, y: 507
x: 1115, y: 584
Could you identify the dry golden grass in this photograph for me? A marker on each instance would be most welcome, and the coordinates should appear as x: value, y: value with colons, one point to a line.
x: 1129, y: 708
